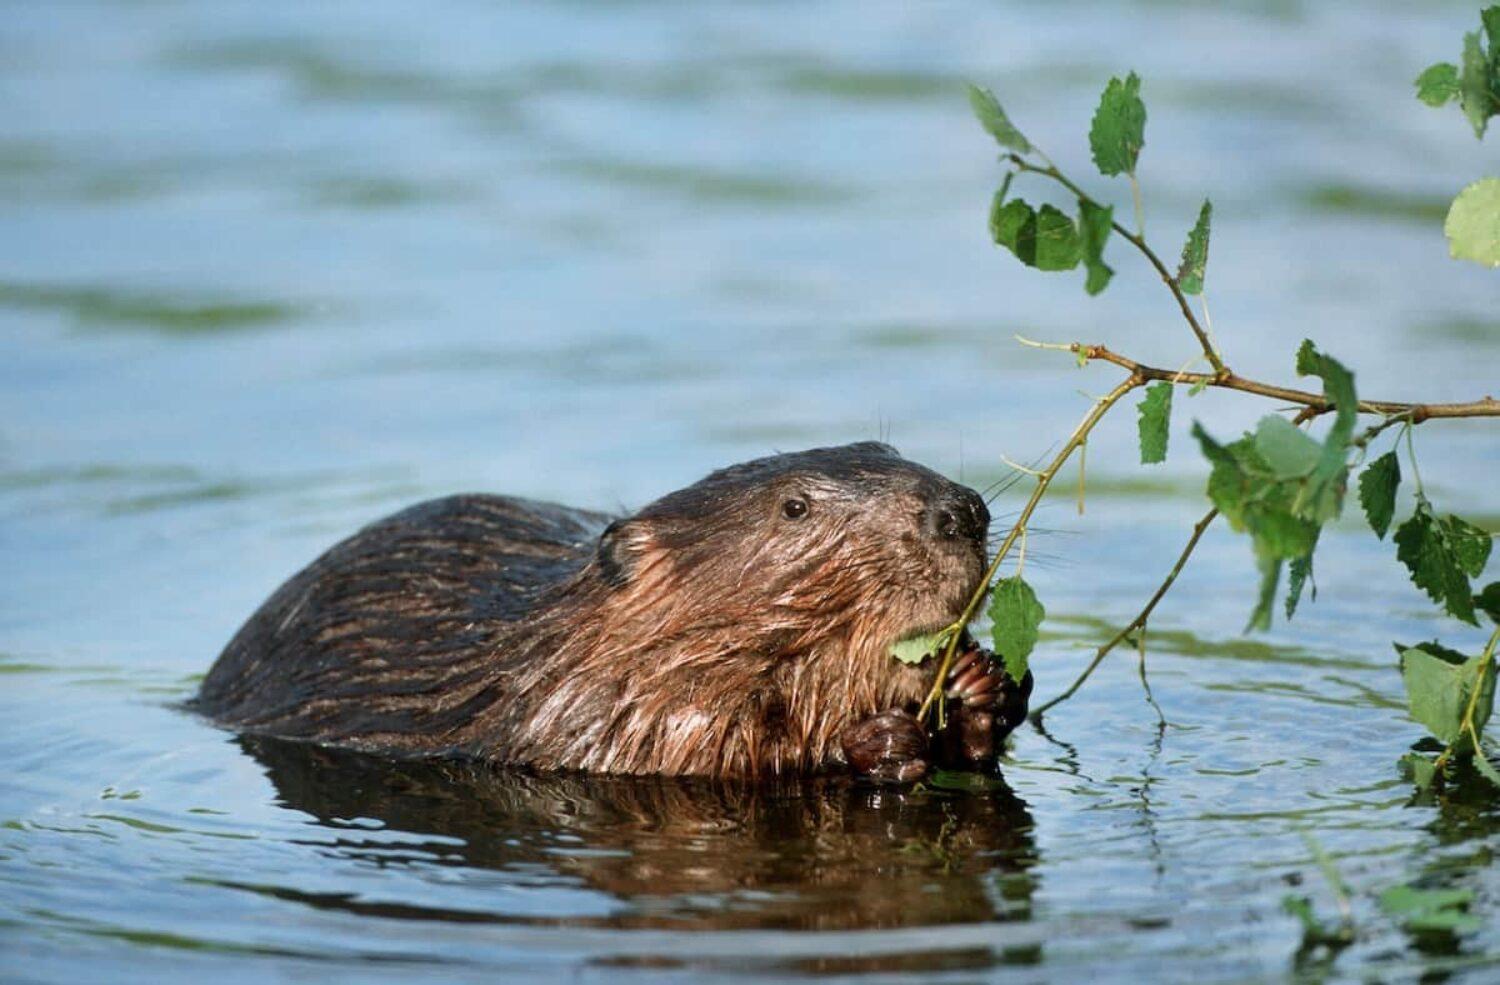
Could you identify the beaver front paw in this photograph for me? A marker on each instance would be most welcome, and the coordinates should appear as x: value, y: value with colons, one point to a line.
x: 890, y: 747
x: 985, y: 707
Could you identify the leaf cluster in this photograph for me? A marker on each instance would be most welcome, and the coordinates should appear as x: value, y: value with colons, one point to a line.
x: 1047, y: 238
x: 1474, y: 83
x: 1473, y: 222
x: 1280, y: 484
x: 1442, y: 554
x: 1441, y: 685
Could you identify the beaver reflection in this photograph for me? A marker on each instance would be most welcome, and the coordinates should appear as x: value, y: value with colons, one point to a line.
x: 816, y: 854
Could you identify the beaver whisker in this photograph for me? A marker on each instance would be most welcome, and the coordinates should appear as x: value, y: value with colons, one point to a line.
x: 1012, y: 476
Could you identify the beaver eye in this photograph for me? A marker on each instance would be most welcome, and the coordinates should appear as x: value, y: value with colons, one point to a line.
x: 794, y: 508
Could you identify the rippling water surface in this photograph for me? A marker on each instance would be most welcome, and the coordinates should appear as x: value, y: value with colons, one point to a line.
x: 270, y: 271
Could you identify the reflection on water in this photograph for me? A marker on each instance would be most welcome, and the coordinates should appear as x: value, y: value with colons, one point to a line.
x: 818, y: 855
x: 268, y: 272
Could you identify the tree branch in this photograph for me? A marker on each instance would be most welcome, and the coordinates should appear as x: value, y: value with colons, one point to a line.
x: 1313, y: 403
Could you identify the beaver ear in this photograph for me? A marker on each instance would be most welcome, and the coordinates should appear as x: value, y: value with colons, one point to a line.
x: 619, y: 546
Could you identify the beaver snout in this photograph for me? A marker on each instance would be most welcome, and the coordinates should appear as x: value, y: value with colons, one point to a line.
x: 958, y: 514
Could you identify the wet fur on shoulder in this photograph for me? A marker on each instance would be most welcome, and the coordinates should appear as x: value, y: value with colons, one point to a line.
x: 719, y: 631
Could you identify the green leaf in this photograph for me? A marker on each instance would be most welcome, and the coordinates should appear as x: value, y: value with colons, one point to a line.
x: 918, y: 648
x: 1279, y: 534
x: 1270, y: 577
x: 1473, y: 223
x: 1442, y: 554
x: 1010, y: 221
x: 1300, y: 571
x: 1226, y: 482
x: 1287, y: 449
x: 1438, y: 692
x: 1118, y: 130
x: 1431, y: 909
x: 1094, y: 226
x: 1045, y: 239
x: 1195, y: 253
x: 1244, y: 487
x: 1486, y: 768
x: 1438, y: 84
x: 1307, y: 358
x: 987, y: 110
x: 1057, y: 243
x: 1488, y: 601
x: 1419, y: 769
x: 1322, y: 496
x: 1377, y: 492
x: 1434, y: 649
x: 1475, y: 95
x: 1471, y: 545
x: 1155, y: 411
x: 1017, y: 614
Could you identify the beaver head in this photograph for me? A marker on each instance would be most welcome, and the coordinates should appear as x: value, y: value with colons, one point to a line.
x: 748, y: 617
x: 806, y: 544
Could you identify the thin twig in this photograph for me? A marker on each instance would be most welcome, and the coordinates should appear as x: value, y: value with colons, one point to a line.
x: 1136, y: 623
x: 1140, y: 645
x: 1369, y: 433
x: 1080, y: 434
x: 1019, y: 467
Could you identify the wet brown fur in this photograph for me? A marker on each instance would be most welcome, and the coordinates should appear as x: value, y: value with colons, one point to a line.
x: 707, y: 634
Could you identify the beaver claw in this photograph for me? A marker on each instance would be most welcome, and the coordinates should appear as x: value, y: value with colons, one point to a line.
x: 986, y: 707
x: 890, y: 747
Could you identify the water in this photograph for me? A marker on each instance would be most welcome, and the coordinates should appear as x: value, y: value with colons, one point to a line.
x: 270, y: 271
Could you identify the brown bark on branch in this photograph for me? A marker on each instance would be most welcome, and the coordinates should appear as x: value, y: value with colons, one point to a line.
x: 1314, y: 403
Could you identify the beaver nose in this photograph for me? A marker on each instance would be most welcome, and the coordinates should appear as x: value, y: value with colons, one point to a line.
x: 959, y: 513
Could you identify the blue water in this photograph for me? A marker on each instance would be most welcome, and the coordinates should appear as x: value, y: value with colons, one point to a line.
x: 270, y: 271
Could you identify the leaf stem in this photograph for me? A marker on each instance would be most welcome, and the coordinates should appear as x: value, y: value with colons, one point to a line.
x: 1411, y: 454
x: 1140, y: 213
x: 1135, y: 624
x: 1363, y: 441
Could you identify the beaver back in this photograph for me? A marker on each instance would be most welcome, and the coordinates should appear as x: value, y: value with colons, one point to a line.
x: 373, y: 643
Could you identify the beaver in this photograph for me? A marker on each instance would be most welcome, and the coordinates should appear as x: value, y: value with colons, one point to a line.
x: 739, y: 627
